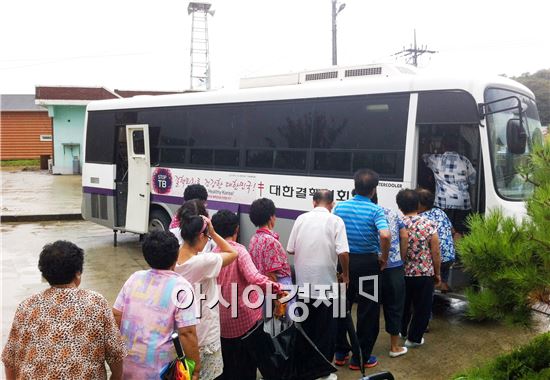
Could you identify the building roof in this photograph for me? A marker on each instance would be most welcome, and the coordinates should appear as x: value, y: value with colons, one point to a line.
x: 66, y: 95
x: 19, y: 102
x: 132, y: 93
x: 57, y: 95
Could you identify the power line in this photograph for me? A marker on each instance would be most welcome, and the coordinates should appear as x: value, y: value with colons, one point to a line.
x: 414, y: 52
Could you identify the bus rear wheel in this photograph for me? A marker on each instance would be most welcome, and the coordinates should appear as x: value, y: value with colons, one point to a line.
x: 159, y: 220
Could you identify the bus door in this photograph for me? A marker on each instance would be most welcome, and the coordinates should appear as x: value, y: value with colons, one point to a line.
x: 139, y: 171
x: 449, y: 120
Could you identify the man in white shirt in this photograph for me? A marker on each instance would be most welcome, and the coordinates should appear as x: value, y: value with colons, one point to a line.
x: 318, y: 241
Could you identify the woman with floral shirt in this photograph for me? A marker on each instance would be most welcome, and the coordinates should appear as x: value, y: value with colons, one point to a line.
x: 266, y: 250
x: 422, y: 265
x: 444, y: 231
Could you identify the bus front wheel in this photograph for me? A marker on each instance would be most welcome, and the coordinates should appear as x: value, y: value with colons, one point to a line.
x: 159, y: 220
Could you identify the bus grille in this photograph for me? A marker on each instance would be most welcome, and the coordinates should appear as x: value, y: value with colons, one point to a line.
x: 323, y: 75
x: 363, y: 72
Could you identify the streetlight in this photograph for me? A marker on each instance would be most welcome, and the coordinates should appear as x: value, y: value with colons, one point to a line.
x: 335, y: 12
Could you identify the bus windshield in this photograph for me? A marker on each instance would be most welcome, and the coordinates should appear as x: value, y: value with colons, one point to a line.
x: 509, y: 183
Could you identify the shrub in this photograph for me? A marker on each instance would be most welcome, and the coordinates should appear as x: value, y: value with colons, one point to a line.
x: 510, y: 260
x: 528, y: 362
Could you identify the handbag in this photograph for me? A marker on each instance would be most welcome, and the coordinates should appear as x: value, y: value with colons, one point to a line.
x: 281, y: 356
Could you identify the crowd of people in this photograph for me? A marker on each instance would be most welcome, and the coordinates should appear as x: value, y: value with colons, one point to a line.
x: 67, y: 332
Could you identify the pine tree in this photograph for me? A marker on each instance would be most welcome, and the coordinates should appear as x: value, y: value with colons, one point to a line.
x: 510, y: 260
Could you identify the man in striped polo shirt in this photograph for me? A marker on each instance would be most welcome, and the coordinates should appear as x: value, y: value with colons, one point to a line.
x: 368, y: 233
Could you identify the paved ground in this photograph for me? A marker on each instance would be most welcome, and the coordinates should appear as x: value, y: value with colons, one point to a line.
x: 39, y: 193
x: 452, y: 344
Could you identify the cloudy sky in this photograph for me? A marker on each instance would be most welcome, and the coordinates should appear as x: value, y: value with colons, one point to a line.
x: 144, y: 45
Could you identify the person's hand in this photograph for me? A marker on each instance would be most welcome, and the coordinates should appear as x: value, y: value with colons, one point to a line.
x: 437, y: 279
x: 280, y: 307
x: 209, y: 226
x: 195, y: 375
x: 382, y: 262
x: 345, y: 279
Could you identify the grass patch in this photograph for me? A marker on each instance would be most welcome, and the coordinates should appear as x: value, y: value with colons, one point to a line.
x: 529, y: 362
x: 35, y: 162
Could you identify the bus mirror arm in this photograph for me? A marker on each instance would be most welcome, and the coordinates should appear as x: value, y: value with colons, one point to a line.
x: 483, y: 108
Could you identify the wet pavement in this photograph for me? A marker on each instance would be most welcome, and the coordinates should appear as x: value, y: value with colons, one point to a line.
x: 39, y: 193
x: 452, y: 344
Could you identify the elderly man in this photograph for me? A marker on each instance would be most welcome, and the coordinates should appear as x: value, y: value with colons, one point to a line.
x: 318, y: 241
x: 368, y: 234
x: 454, y: 174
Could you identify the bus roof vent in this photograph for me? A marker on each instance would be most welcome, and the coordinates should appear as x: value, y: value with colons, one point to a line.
x: 322, y: 75
x: 363, y: 72
x: 333, y: 73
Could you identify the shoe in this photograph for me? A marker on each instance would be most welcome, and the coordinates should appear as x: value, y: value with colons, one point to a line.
x: 410, y: 344
x: 341, y: 358
x: 397, y: 354
x: 372, y: 362
x: 332, y: 376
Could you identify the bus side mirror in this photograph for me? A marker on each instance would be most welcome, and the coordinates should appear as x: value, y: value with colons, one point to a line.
x: 516, y: 136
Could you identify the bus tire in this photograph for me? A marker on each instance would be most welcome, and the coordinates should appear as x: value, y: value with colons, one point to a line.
x: 159, y: 220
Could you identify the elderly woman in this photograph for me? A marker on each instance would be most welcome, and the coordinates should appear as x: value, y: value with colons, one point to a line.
x: 148, y: 314
x: 63, y: 332
x: 266, y: 250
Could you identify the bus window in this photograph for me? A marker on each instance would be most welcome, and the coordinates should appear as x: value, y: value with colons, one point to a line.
x: 138, y: 142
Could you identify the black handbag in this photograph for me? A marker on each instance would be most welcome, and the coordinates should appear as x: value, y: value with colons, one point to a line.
x: 288, y: 355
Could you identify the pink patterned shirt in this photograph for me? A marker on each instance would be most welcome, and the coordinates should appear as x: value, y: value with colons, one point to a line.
x: 241, y: 272
x: 268, y: 253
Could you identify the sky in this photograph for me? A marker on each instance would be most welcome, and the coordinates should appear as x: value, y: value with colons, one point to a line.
x: 144, y: 45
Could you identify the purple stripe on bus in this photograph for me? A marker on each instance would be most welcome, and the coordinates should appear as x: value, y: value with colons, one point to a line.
x: 235, y: 207
x: 98, y: 190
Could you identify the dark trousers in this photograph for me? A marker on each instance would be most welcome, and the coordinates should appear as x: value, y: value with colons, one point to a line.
x: 418, y: 307
x: 393, y: 298
x: 238, y: 363
x: 320, y: 327
x: 368, y: 311
x: 458, y: 219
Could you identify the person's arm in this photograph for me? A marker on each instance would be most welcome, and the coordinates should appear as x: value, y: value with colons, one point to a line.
x: 342, y: 248
x: 114, y: 347
x: 403, y: 242
x: 227, y: 252
x: 343, y: 258
x: 381, y: 223
x: 116, y: 370
x: 436, y: 257
x: 385, y: 244
x: 118, y: 316
x: 10, y: 373
x: 190, y: 344
x: 471, y: 173
x: 291, y: 246
x: 253, y: 276
x: 13, y: 345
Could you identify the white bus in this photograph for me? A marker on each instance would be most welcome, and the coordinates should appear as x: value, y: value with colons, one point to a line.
x: 284, y: 142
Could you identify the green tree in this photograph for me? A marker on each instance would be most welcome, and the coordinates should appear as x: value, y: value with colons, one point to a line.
x: 510, y: 260
x: 539, y: 83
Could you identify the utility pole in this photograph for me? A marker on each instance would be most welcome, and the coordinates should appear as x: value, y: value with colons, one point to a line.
x: 200, y: 59
x: 335, y: 12
x: 414, y: 52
